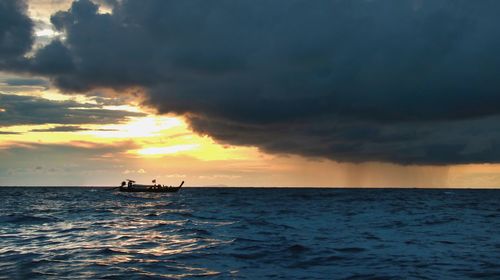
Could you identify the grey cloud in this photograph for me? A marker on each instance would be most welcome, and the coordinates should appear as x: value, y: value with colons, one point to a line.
x: 15, y: 33
x: 347, y: 80
x: 8, y: 133
x: 105, y: 100
x: 68, y: 128
x: 26, y: 82
x: 20, y: 110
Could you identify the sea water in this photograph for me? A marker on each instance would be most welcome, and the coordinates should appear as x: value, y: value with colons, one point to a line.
x: 249, y: 233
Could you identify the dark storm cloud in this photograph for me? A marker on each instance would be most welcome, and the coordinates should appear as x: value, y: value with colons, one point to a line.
x: 68, y: 128
x: 15, y: 32
x: 435, y: 143
x: 347, y: 80
x: 21, y: 110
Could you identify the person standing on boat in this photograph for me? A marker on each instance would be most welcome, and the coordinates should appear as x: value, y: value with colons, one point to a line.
x: 130, y: 182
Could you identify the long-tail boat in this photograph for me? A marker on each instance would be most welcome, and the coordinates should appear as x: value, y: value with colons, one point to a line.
x: 131, y: 186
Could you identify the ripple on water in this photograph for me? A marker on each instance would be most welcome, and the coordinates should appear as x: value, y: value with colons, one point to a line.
x: 23, y: 219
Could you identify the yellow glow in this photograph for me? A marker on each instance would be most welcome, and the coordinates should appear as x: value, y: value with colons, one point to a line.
x: 43, y: 9
x: 2, y: 110
x: 46, y: 32
x: 149, y: 126
x: 155, y: 136
x: 123, y: 108
x: 104, y: 10
x: 209, y: 150
x: 153, y: 151
x: 57, y: 96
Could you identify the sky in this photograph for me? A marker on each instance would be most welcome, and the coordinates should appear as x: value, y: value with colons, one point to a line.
x: 342, y: 93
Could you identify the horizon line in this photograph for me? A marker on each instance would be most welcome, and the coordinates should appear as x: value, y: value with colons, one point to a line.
x: 268, y: 187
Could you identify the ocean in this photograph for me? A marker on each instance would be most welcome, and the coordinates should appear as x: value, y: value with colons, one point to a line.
x: 249, y: 233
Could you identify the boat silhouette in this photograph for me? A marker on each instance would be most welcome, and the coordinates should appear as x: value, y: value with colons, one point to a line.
x: 131, y: 186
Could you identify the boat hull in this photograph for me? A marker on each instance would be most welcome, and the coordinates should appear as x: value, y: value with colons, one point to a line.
x: 163, y: 190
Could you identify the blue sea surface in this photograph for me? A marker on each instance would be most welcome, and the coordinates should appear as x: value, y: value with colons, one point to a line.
x: 249, y: 233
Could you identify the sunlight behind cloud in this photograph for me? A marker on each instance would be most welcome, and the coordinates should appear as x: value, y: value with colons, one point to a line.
x: 46, y: 32
x: 129, y: 108
x: 138, y: 127
x: 158, y: 151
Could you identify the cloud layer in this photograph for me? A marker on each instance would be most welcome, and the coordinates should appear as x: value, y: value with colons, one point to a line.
x: 396, y: 81
x: 23, y: 110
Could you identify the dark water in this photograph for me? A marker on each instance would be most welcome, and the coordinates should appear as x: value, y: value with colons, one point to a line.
x: 230, y: 233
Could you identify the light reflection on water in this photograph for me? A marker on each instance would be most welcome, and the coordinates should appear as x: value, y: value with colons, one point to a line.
x: 77, y: 233
x: 134, y: 234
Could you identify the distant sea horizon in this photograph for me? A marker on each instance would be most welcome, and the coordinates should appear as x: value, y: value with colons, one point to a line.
x: 262, y: 187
